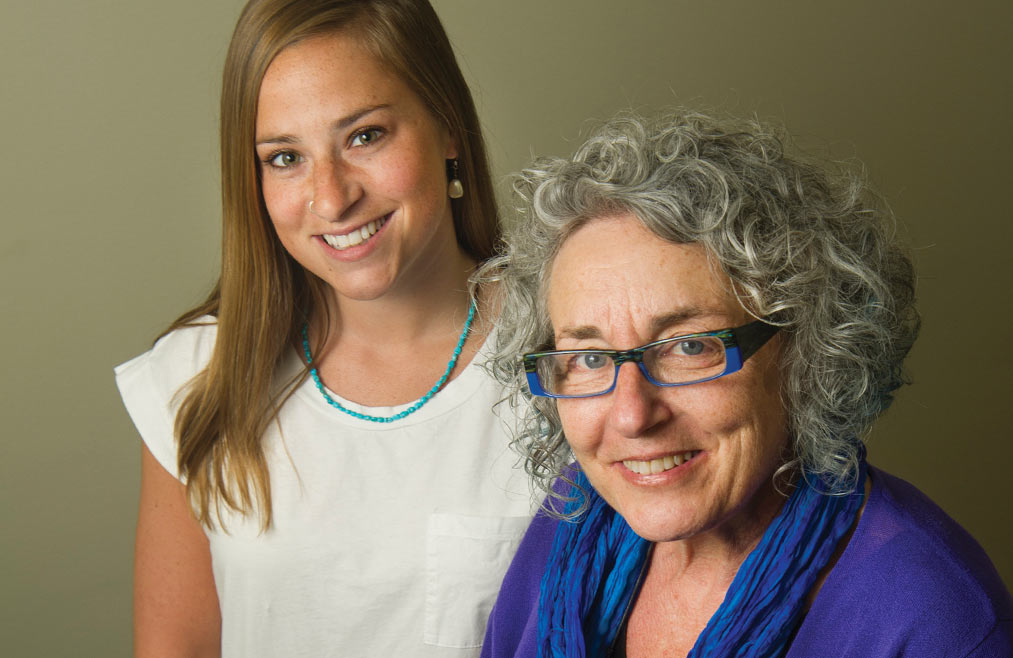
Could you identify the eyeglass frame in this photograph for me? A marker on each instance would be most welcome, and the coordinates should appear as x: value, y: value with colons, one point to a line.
x: 740, y: 343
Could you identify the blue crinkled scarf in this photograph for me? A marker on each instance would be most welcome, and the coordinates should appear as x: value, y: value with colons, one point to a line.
x: 595, y: 565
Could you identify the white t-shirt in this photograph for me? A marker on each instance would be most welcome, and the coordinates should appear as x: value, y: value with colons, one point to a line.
x: 387, y: 539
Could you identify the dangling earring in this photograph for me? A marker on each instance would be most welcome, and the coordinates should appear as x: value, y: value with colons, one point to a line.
x: 455, y: 190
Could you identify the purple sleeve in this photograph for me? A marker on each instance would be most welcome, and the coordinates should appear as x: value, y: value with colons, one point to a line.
x: 997, y: 644
x: 911, y: 583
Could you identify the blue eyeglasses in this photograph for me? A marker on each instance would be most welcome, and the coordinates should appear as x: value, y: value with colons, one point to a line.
x: 677, y: 361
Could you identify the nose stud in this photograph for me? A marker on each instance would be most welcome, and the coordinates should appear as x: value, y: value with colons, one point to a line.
x: 314, y: 212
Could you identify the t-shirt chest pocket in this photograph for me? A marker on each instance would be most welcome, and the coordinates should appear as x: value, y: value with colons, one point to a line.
x: 466, y: 557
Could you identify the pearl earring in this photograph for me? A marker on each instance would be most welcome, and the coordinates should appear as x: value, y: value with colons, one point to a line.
x: 455, y: 190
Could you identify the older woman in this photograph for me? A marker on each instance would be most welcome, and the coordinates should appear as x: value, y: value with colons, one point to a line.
x: 720, y: 503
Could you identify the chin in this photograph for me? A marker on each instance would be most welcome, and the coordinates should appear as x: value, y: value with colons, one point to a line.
x: 658, y: 533
x: 655, y: 527
x: 364, y: 289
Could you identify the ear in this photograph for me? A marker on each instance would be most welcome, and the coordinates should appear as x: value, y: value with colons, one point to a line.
x: 451, y: 151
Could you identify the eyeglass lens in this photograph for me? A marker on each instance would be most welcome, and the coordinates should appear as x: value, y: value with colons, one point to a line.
x: 678, y: 361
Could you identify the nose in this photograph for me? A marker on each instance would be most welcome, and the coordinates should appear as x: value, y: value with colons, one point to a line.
x: 335, y: 189
x: 637, y: 405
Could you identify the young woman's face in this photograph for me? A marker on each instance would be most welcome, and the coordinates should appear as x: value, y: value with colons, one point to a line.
x: 353, y: 169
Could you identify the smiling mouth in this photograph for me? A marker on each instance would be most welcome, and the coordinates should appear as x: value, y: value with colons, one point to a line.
x: 661, y: 464
x: 356, y: 237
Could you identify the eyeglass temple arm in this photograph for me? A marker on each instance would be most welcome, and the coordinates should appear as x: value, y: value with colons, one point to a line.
x: 753, y: 336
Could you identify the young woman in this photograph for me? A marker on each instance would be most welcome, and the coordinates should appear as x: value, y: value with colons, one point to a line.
x: 322, y: 471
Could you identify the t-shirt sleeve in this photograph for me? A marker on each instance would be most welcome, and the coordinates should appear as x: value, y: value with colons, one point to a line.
x: 153, y: 385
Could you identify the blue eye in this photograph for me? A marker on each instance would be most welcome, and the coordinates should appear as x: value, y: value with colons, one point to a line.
x: 366, y: 137
x: 697, y: 350
x: 591, y: 361
x: 691, y: 347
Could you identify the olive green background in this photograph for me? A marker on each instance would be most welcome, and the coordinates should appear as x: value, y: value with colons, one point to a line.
x: 110, y: 206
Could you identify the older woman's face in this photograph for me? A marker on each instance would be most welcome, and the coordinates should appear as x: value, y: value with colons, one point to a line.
x: 616, y: 285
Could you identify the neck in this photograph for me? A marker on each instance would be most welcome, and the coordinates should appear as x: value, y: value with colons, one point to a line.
x: 431, y: 303
x: 391, y: 350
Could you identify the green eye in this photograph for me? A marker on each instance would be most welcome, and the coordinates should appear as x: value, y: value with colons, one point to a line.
x: 283, y: 159
x: 366, y: 137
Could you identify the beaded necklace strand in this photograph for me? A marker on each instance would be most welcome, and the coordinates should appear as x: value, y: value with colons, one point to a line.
x: 410, y: 410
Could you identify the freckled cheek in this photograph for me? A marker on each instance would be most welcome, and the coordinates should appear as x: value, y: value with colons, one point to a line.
x: 583, y: 426
x: 723, y: 417
x: 413, y: 181
x: 753, y: 435
x: 283, y: 206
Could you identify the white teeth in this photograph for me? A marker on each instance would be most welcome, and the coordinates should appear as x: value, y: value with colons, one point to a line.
x: 659, y: 465
x: 358, y: 236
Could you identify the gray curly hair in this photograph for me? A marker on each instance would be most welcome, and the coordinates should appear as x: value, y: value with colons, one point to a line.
x: 805, y: 245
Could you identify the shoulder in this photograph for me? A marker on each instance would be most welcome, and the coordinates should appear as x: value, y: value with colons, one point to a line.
x: 903, y: 527
x: 911, y: 582
x: 174, y: 359
x: 151, y: 383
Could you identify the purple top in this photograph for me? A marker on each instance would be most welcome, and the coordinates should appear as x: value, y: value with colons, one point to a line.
x: 911, y: 583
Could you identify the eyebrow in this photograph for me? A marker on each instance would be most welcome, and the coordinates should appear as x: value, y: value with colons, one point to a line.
x: 658, y: 324
x: 665, y: 320
x: 340, y: 124
x: 580, y: 333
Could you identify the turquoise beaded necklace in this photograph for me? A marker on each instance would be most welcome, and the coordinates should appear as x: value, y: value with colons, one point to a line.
x: 418, y: 403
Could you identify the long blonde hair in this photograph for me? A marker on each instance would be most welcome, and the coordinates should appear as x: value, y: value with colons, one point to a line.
x: 263, y: 297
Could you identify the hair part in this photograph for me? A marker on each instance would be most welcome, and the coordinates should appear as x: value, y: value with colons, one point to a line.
x: 805, y: 246
x: 263, y: 296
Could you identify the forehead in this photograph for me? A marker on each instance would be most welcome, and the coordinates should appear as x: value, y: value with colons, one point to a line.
x: 615, y: 275
x: 334, y: 70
